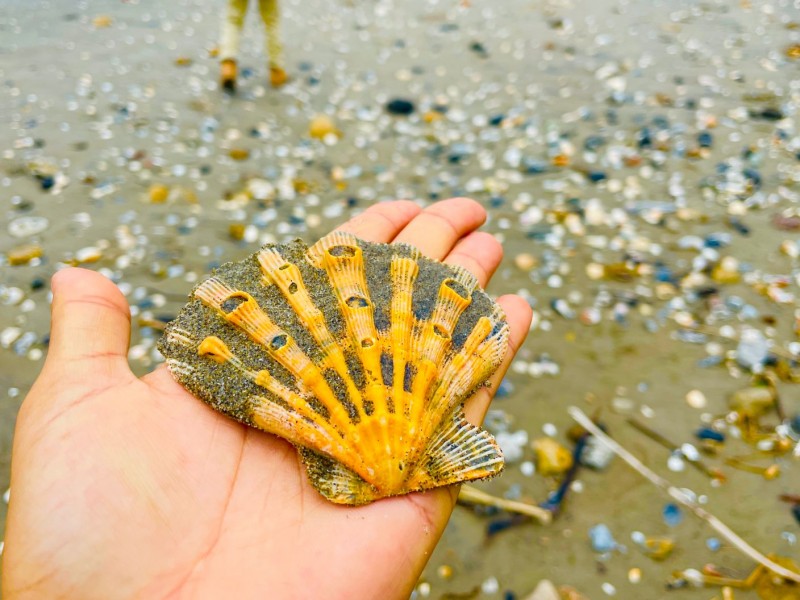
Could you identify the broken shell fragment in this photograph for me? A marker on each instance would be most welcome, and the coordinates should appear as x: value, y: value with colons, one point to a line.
x: 359, y: 354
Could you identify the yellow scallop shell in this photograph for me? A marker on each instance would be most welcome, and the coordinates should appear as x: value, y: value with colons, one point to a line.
x: 359, y: 354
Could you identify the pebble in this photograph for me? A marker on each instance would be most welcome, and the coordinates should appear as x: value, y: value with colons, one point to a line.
x: 752, y: 350
x: 601, y: 538
x: 525, y: 261
x: 672, y: 514
x: 696, y: 399
x: 24, y: 227
x: 158, y: 193
x: 444, y: 571
x: 706, y: 433
x: 675, y: 463
x: 551, y: 457
x: 9, y: 335
x: 89, y: 254
x: 713, y: 544
x: 400, y: 106
x: 24, y: 254
x: 239, y: 153
x: 322, y: 126
x: 490, y: 585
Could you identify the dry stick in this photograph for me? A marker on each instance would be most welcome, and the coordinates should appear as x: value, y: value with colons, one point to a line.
x: 681, y: 497
x: 476, y: 496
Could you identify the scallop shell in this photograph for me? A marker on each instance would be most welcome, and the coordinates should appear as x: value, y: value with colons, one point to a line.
x: 359, y: 354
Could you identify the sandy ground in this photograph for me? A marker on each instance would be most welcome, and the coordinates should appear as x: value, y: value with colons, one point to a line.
x: 108, y: 98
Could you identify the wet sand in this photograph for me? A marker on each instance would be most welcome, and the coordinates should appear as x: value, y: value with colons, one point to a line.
x: 509, y: 100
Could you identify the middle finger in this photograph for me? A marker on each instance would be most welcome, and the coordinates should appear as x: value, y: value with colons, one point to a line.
x: 439, y: 227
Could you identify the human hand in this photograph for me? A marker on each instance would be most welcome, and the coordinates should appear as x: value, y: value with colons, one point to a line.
x: 127, y: 487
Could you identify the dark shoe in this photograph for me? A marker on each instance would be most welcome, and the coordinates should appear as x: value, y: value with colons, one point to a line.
x: 228, y: 73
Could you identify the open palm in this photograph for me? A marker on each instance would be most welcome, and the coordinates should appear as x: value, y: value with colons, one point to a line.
x: 125, y: 487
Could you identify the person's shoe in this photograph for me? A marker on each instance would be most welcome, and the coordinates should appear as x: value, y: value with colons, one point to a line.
x: 228, y: 75
x: 277, y: 77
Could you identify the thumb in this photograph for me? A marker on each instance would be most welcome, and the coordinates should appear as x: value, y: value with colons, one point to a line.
x: 90, y: 323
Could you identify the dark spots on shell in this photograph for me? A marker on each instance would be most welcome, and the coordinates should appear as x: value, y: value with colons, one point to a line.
x: 352, y: 411
x: 355, y: 368
x: 232, y: 303
x: 439, y: 330
x: 369, y: 407
x: 279, y: 341
x: 292, y: 287
x: 368, y: 342
x: 339, y: 388
x: 423, y: 306
x: 457, y: 288
x: 319, y: 408
x: 408, y: 378
x: 343, y: 251
x: 459, y: 337
x: 357, y: 302
x: 283, y: 267
x: 387, y: 368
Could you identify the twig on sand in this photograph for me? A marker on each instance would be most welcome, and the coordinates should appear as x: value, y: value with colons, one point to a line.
x: 681, y: 497
x: 475, y: 496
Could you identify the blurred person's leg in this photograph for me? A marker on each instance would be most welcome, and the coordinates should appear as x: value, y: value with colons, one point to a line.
x: 232, y: 26
x: 270, y: 14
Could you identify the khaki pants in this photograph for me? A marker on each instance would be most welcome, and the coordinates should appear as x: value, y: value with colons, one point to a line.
x: 234, y: 22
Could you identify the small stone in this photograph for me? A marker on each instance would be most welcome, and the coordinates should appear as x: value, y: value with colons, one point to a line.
x: 322, y: 126
x: 706, y: 433
x: 158, y: 193
x: 236, y: 231
x: 713, y: 544
x: 490, y: 585
x: 400, y: 106
x: 609, y: 589
x: 89, y: 254
x: 675, y: 463
x: 9, y: 335
x: 601, y: 538
x: 239, y: 153
x: 635, y: 575
x: 696, y: 399
x: 23, y: 227
x: 753, y: 349
x: 525, y: 261
x: 22, y: 255
x: 102, y: 21
x: 551, y: 457
x: 445, y: 571
x: 672, y: 514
